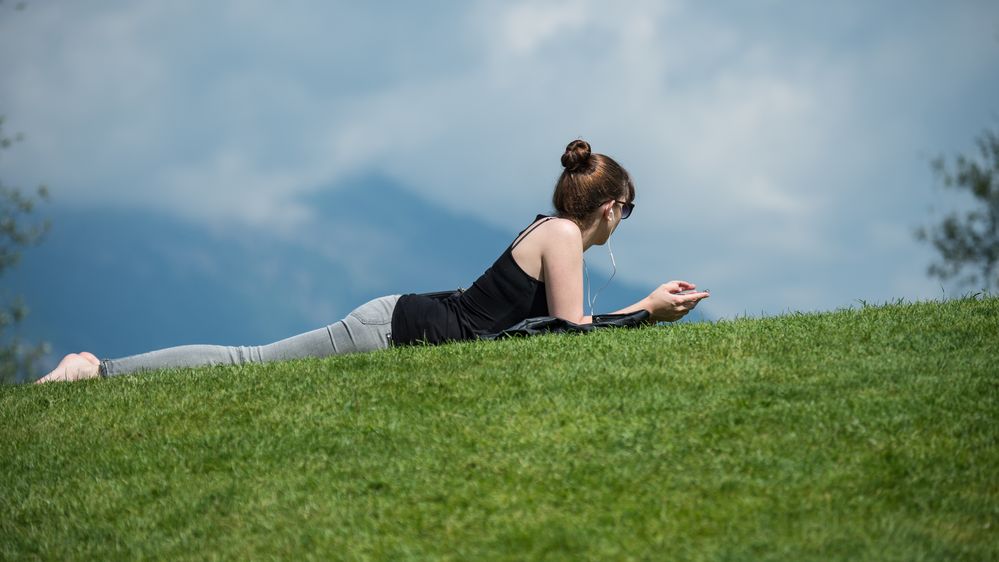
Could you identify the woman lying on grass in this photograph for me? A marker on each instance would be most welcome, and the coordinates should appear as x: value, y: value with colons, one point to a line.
x: 540, y: 274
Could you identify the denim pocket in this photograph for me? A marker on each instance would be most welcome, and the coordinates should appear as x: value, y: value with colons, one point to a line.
x: 369, y: 319
x: 377, y: 312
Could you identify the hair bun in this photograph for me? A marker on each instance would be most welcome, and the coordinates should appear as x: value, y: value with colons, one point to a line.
x: 577, y: 154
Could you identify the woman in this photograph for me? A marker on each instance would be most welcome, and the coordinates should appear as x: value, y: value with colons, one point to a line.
x: 540, y: 274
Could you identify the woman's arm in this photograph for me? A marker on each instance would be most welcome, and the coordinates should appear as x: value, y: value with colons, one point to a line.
x: 665, y: 305
x: 562, y: 263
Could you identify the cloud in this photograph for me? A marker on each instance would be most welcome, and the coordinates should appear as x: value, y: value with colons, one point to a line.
x: 525, y: 26
x: 764, y: 140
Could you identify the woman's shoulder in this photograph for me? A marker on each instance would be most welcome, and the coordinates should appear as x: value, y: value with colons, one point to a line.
x: 547, y: 233
x: 560, y: 229
x: 554, y: 238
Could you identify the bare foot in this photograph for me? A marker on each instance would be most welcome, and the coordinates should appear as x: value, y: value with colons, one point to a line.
x: 90, y: 357
x: 73, y: 367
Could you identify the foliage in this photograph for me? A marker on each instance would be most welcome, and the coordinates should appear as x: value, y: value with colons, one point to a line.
x: 970, y: 239
x: 864, y: 434
x: 18, y: 359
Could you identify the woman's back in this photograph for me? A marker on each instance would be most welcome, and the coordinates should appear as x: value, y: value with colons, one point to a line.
x: 502, y: 296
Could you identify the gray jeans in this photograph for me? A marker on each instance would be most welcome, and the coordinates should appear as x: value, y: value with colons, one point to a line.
x: 367, y: 328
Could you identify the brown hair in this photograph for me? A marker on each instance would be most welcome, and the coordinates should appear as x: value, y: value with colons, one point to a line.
x: 588, y: 181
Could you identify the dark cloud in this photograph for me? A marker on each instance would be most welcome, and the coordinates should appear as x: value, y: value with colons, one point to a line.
x: 777, y: 147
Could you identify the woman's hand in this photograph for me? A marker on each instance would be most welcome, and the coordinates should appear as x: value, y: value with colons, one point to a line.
x: 665, y: 305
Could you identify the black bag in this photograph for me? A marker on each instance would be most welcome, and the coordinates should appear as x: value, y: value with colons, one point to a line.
x: 552, y: 324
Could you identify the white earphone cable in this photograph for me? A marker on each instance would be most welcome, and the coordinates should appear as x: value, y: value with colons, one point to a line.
x: 592, y: 301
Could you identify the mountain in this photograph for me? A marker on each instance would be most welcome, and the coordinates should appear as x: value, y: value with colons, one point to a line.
x: 119, y: 281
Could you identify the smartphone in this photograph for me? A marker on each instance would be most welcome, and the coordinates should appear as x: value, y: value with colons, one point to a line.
x: 688, y: 291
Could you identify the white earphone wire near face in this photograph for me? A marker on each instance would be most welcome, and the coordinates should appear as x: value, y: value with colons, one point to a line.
x: 592, y: 301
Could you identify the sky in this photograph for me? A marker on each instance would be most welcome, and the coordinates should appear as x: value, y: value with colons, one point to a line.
x: 780, y: 150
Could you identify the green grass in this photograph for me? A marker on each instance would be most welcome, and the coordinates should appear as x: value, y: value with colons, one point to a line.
x: 865, y: 434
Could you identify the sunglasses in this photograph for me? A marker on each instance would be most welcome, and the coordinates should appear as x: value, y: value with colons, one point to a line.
x: 626, y: 209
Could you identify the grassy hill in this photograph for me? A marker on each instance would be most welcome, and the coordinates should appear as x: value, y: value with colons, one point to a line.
x: 868, y: 434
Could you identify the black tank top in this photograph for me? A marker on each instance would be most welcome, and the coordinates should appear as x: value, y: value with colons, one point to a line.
x: 501, y: 297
